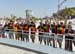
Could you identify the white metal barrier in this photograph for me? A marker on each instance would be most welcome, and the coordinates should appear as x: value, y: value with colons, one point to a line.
x: 50, y: 37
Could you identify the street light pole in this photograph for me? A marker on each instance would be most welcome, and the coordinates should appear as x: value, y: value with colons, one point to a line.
x: 60, y: 4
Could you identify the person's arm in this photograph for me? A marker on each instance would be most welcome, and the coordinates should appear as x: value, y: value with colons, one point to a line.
x: 5, y: 26
x: 57, y: 21
x: 72, y: 33
x: 66, y: 32
x: 50, y: 23
x: 38, y: 27
x: 65, y: 23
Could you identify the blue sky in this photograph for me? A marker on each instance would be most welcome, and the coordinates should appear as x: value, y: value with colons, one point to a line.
x: 40, y: 8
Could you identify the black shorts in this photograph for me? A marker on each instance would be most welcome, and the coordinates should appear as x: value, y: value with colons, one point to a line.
x: 69, y: 37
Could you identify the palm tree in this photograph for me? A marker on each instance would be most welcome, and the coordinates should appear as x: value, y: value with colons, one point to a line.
x: 13, y: 17
x: 69, y: 12
x: 20, y: 18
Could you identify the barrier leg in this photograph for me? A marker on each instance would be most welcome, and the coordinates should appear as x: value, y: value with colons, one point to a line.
x: 70, y: 45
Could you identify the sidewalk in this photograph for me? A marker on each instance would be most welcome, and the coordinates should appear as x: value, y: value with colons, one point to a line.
x: 35, y: 47
x: 11, y: 50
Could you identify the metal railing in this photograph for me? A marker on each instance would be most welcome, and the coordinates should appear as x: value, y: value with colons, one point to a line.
x: 49, y: 39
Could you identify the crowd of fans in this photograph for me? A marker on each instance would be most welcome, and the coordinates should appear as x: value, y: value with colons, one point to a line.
x: 21, y: 31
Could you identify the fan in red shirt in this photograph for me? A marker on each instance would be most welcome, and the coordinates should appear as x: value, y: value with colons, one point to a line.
x: 26, y: 32
x: 46, y: 27
x: 54, y: 31
x: 16, y: 28
x: 33, y: 31
x: 10, y: 29
x: 41, y: 30
x: 60, y: 32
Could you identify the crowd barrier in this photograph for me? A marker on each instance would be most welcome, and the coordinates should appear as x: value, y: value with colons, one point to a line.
x: 50, y: 39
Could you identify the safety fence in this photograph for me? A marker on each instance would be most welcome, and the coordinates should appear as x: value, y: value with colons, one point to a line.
x: 43, y: 38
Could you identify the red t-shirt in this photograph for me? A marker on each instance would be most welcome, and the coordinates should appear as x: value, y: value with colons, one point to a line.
x: 26, y: 28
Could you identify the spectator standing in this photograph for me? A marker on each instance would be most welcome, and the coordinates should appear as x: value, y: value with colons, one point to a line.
x: 26, y: 31
x: 40, y: 30
x: 46, y: 27
x: 54, y: 32
x: 68, y: 38
x: 33, y: 31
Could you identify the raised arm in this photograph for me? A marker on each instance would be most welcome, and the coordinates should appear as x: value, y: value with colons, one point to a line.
x: 65, y: 23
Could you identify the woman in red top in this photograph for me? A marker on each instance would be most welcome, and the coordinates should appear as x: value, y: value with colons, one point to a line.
x: 54, y: 32
x: 10, y: 28
x: 26, y: 32
x: 60, y: 32
x: 16, y: 28
x: 33, y: 31
x: 41, y: 30
x: 46, y: 28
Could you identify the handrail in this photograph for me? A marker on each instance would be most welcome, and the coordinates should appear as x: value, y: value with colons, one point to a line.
x: 44, y: 34
x: 48, y: 36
